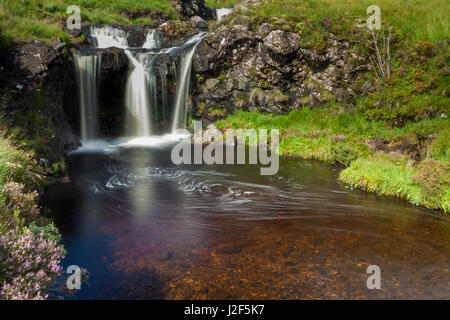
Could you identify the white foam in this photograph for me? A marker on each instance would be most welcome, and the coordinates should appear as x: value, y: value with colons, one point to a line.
x: 156, y: 141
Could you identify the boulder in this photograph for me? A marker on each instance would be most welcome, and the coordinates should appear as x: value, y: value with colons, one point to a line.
x: 283, y: 43
x: 30, y: 59
x: 191, y: 8
x: 113, y: 60
x: 198, y: 22
x: 264, y: 30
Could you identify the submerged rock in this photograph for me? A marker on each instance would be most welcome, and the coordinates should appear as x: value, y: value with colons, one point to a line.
x: 231, y: 249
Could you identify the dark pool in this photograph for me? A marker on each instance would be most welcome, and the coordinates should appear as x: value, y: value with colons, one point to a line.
x: 146, y: 229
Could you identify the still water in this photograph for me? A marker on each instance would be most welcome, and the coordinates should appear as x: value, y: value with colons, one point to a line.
x: 146, y: 229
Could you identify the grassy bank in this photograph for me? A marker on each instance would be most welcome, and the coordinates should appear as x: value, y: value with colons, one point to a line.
x: 411, y: 162
x: 29, y: 243
x: 17, y: 166
x: 44, y: 19
x: 416, y: 19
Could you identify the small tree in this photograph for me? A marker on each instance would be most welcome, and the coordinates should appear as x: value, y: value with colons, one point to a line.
x: 380, y: 58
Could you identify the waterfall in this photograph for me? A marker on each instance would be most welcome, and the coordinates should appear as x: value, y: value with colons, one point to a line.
x: 88, y: 73
x: 182, y: 95
x: 221, y: 12
x: 108, y: 36
x: 137, y: 97
x: 153, y: 40
x: 147, y: 96
x: 141, y: 93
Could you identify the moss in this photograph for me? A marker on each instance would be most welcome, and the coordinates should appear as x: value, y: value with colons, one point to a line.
x: 201, y: 107
x: 219, y: 113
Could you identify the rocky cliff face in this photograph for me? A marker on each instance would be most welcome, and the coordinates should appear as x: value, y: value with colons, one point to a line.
x: 268, y: 70
x: 36, y: 78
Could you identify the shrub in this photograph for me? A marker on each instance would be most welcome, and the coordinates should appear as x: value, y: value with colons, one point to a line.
x: 434, y: 178
x: 13, y: 199
x: 29, y: 265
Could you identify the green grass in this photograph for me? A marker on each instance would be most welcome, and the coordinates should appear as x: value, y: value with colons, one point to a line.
x: 416, y: 19
x: 397, y: 176
x: 222, y: 3
x: 311, y: 133
x: 16, y: 165
x: 335, y: 136
x: 43, y: 19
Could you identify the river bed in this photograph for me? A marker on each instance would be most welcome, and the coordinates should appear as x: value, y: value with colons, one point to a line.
x: 147, y: 229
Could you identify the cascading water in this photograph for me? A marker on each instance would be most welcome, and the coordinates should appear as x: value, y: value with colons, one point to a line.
x: 141, y: 92
x: 151, y: 71
x: 179, y: 119
x: 137, y: 97
x: 88, y: 72
x: 108, y: 36
x: 153, y: 40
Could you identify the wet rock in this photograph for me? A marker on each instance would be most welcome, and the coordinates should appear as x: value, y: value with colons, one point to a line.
x: 327, y: 271
x: 220, y: 294
x: 231, y: 250
x: 291, y: 263
x: 113, y: 60
x: 188, y: 293
x: 200, y: 60
x: 164, y: 256
x: 192, y: 8
x: 136, y: 35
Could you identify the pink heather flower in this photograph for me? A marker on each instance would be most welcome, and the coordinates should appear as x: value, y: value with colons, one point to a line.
x: 28, y: 265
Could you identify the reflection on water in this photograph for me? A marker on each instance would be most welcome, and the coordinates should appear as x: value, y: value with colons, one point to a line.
x: 146, y: 229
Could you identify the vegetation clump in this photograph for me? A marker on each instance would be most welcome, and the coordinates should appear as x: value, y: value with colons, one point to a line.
x: 30, y: 252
